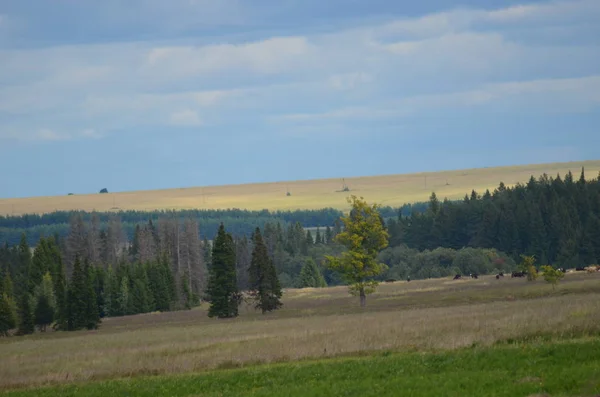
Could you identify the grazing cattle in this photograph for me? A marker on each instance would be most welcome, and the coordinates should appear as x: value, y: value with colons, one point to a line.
x: 408, y: 279
x: 474, y: 275
x: 580, y: 269
x: 497, y: 276
x: 458, y: 276
x: 517, y: 274
x: 562, y: 269
x: 501, y: 274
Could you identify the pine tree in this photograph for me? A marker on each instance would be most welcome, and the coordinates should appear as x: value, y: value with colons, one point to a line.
x: 311, y: 276
x: 222, y: 287
x: 76, y: 298
x: 44, y: 312
x: 23, y: 285
x: 92, y: 315
x: 26, y: 324
x: 309, y: 239
x: 328, y: 235
x: 264, y: 284
x: 318, y: 237
x: 8, y: 317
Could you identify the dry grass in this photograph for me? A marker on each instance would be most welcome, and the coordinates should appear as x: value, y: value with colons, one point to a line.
x: 391, y: 190
x: 428, y: 314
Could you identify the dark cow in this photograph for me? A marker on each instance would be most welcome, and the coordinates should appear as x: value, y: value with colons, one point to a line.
x: 474, y: 275
x: 408, y: 279
x: 458, y: 276
x: 517, y: 274
x: 497, y: 276
x: 562, y: 269
x: 580, y: 269
x: 501, y: 274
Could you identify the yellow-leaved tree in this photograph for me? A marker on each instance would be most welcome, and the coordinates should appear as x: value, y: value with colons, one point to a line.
x: 364, y: 235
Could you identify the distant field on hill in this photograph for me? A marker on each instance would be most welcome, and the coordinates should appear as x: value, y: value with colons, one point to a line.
x: 392, y: 190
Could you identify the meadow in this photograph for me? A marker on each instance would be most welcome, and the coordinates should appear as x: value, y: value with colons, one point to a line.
x: 387, y: 190
x: 407, y: 331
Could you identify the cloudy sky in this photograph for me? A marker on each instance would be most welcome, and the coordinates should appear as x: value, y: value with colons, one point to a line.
x: 145, y: 94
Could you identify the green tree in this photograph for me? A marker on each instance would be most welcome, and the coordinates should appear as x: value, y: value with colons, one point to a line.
x: 26, y: 324
x: 77, y: 302
x: 364, y: 237
x: 7, y: 285
x: 222, y: 287
x: 8, y: 317
x: 552, y: 275
x: 59, y: 281
x: 528, y: 265
x: 311, y: 276
x: 265, y: 288
x: 92, y: 318
x: 44, y: 312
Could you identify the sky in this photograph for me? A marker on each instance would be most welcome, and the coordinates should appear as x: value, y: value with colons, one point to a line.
x: 152, y: 94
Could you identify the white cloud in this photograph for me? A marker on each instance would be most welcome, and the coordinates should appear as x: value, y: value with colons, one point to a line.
x: 186, y: 117
x: 49, y: 135
x: 91, y: 133
x: 349, y: 81
x: 453, y: 58
x: 267, y: 56
x: 551, y: 95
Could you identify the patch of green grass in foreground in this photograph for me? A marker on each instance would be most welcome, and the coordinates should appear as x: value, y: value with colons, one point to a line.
x: 557, y: 369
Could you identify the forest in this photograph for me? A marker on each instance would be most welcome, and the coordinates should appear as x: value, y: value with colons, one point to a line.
x: 239, y: 222
x: 96, y: 269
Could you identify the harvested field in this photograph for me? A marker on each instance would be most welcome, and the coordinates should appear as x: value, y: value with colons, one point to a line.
x: 393, y: 190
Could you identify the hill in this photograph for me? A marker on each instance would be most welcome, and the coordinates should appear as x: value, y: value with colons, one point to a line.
x: 392, y: 190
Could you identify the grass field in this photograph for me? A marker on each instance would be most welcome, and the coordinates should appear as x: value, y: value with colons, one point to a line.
x: 393, y: 190
x: 307, y: 346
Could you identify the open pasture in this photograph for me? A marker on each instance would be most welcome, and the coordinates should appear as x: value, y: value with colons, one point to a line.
x: 392, y: 190
x: 422, y: 315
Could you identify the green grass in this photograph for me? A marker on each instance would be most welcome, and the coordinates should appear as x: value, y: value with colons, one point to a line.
x: 520, y: 369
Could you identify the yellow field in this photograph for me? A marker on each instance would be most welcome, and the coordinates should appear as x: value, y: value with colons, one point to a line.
x: 393, y: 190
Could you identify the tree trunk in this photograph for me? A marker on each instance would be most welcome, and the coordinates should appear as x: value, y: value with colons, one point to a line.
x: 363, y: 298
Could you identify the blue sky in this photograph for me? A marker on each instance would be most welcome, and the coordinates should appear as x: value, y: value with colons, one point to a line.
x: 149, y: 94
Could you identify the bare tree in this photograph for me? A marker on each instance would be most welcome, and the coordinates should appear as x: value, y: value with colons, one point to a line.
x: 115, y: 241
x: 194, y: 256
x: 76, y: 243
x: 94, y: 243
x: 147, y: 249
x: 243, y: 254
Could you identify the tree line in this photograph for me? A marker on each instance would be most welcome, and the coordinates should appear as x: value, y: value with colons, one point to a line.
x: 239, y: 222
x: 555, y: 219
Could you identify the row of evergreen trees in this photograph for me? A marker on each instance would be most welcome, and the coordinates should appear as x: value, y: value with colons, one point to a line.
x: 556, y: 220
x: 239, y: 222
x: 44, y: 293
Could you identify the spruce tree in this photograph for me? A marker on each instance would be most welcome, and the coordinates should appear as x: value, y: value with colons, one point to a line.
x: 264, y: 284
x: 311, y: 276
x: 318, y: 237
x: 92, y: 318
x: 44, y: 312
x: 222, y: 287
x: 76, y: 298
x: 8, y: 317
x: 328, y: 235
x: 26, y: 324
x: 59, y: 281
